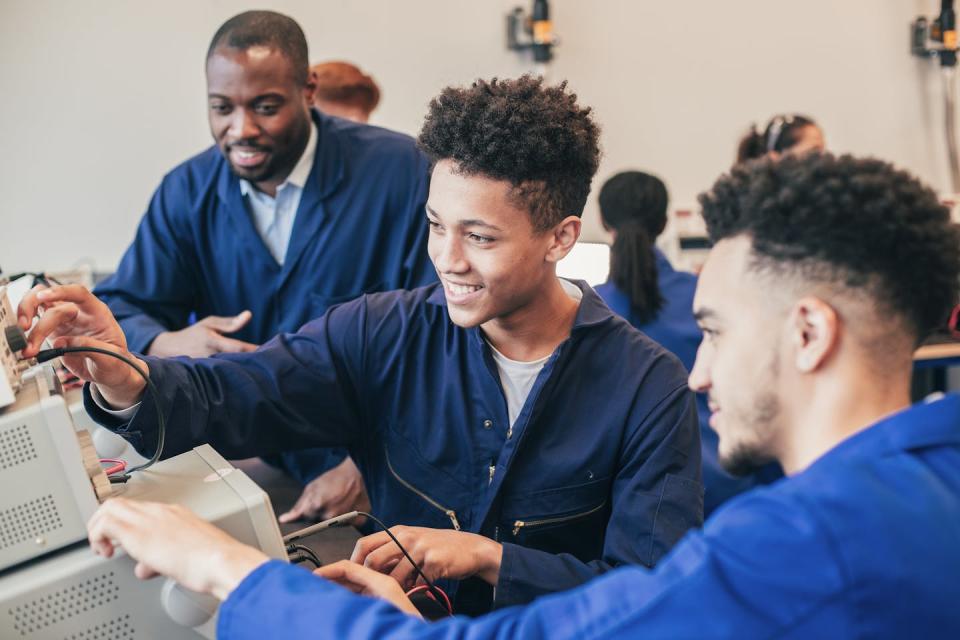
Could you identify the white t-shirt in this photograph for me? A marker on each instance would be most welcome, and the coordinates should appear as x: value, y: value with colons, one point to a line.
x: 517, y: 377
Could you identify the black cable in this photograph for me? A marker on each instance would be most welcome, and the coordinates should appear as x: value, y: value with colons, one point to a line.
x: 307, y: 552
x: 39, y: 277
x: 50, y: 354
x: 433, y: 589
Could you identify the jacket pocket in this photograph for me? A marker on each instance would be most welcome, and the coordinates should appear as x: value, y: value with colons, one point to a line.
x: 570, y: 519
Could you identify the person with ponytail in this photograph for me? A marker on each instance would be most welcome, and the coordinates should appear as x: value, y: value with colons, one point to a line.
x: 648, y: 292
x: 783, y: 134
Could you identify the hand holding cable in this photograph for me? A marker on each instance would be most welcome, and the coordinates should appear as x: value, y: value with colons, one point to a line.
x: 73, y: 317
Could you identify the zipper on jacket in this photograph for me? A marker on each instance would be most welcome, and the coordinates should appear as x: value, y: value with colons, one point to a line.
x: 520, y: 524
x: 492, y: 471
x: 450, y: 513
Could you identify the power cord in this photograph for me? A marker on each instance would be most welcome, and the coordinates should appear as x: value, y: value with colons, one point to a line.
x: 438, y: 594
x: 39, y: 277
x: 297, y: 553
x: 50, y: 354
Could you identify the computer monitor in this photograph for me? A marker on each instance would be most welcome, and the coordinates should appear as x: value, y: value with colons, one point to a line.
x: 588, y: 261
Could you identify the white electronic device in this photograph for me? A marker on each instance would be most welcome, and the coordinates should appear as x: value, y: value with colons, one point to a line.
x: 52, y: 585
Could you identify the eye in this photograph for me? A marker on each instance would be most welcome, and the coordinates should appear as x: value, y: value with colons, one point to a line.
x: 434, y: 225
x: 267, y: 109
x: 478, y: 239
x: 220, y: 108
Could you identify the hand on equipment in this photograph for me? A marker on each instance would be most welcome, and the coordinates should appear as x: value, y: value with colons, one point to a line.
x: 73, y: 317
x: 172, y: 541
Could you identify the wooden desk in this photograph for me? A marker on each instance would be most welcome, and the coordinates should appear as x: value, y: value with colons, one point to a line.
x: 944, y: 354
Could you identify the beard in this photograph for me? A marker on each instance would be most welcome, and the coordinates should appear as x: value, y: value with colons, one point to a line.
x: 755, y: 428
x: 745, y: 459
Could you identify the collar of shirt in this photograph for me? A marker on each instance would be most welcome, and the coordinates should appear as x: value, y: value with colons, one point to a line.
x: 273, y: 217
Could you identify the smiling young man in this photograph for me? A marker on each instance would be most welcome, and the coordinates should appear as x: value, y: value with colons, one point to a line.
x: 810, y: 322
x: 288, y: 213
x: 534, y: 438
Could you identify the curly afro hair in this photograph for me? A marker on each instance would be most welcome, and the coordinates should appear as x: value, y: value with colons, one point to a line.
x: 535, y: 137
x: 856, y: 222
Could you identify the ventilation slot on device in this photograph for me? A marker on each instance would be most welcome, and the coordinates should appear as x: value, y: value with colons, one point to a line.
x: 16, y: 447
x: 81, y: 597
x: 28, y: 521
x: 118, y: 629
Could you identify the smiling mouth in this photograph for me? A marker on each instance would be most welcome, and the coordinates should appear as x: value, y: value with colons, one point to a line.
x: 247, y: 157
x: 460, y: 290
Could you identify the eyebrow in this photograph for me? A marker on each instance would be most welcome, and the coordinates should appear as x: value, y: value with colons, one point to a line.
x: 263, y: 96
x: 704, y: 314
x: 466, y: 223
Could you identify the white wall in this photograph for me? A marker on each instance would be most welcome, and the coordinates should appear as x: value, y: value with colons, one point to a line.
x: 102, y: 97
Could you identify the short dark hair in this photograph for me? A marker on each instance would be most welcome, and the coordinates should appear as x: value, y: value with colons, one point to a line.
x: 634, y: 204
x: 267, y: 29
x: 856, y: 222
x: 535, y: 137
x: 781, y: 133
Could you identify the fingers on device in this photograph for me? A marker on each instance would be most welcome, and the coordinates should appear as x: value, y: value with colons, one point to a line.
x: 52, y: 585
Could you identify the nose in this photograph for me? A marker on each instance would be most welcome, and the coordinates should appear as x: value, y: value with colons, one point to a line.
x: 243, y: 125
x: 448, y: 256
x: 699, y: 378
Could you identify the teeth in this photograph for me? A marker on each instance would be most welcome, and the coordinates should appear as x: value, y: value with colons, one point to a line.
x: 462, y: 289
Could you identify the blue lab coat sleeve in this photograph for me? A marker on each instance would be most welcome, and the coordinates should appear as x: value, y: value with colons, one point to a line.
x: 307, y: 387
x: 658, y: 483
x: 766, y: 569
x: 154, y: 287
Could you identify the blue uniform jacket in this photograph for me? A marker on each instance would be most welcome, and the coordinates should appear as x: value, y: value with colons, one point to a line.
x: 359, y: 228
x: 863, y: 544
x: 677, y: 330
x: 601, y: 467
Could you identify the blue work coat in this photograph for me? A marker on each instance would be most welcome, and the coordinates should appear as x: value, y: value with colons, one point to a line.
x: 862, y: 544
x: 676, y: 329
x: 601, y: 467
x: 360, y: 228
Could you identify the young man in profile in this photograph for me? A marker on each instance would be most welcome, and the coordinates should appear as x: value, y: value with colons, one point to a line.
x: 531, y: 438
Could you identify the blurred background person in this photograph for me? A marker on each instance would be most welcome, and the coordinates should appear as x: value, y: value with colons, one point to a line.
x: 783, y: 134
x: 345, y: 91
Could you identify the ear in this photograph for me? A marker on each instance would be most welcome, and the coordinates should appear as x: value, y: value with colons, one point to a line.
x: 563, y: 237
x: 815, y: 333
x: 310, y: 87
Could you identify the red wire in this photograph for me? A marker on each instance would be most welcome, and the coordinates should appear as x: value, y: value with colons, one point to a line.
x: 118, y: 465
x: 954, y: 318
x: 446, y: 598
